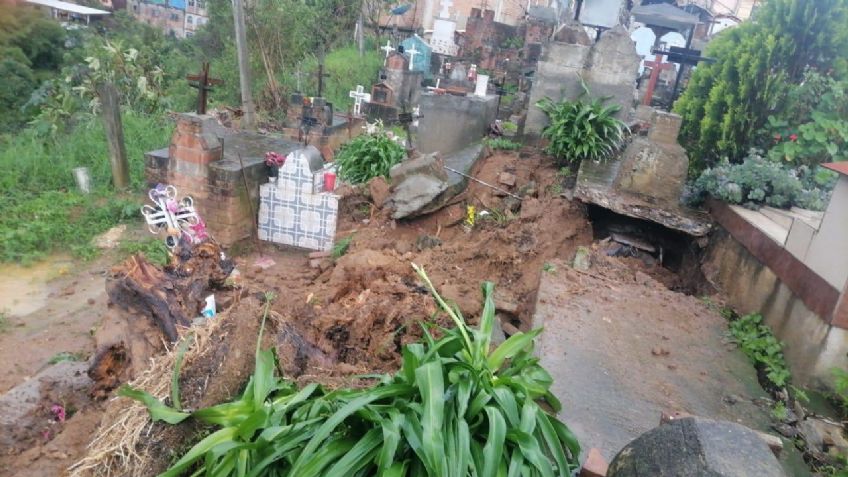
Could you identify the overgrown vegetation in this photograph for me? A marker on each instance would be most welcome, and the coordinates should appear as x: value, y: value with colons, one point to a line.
x: 368, y: 156
x: 758, y: 65
x: 759, y: 181
x: 455, y: 408
x: 762, y: 348
x: 341, y: 247
x: 502, y: 144
x: 153, y: 249
x: 582, y: 129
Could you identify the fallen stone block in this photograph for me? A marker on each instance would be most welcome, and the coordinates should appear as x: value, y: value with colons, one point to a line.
x: 506, y: 179
x: 696, y: 446
x: 320, y: 254
x: 416, y: 184
x: 775, y: 443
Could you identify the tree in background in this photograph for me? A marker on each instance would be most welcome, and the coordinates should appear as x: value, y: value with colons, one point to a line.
x: 728, y: 103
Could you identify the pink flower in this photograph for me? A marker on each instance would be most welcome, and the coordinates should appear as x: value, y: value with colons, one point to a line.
x: 793, y: 137
x: 274, y: 159
x: 58, y: 413
x: 777, y: 137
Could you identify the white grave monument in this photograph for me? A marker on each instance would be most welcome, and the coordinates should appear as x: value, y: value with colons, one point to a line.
x: 482, y: 85
x: 359, y: 96
x: 443, y: 32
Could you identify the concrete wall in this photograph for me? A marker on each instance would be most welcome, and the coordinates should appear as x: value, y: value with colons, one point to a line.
x: 813, y: 346
x: 827, y: 253
x: 450, y: 123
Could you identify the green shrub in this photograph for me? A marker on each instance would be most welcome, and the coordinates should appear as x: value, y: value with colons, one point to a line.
x: 761, y: 347
x: 581, y: 129
x: 758, y: 181
x: 502, y: 143
x: 368, y: 156
x: 455, y: 408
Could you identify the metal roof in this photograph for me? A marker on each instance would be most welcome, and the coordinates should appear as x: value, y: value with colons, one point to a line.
x: 840, y: 167
x: 665, y: 16
x: 68, y: 7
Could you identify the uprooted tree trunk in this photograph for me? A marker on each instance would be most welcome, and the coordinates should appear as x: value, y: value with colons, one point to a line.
x: 149, y: 304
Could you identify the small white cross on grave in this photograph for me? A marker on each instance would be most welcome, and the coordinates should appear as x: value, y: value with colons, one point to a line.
x: 388, y: 49
x: 446, y: 4
x: 412, y: 52
x: 359, y: 96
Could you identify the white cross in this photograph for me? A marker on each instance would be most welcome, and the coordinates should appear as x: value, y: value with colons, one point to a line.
x: 359, y: 96
x: 388, y: 49
x: 412, y: 52
x: 445, y: 5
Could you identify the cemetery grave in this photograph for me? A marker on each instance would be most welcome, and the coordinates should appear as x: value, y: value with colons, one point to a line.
x: 271, y: 251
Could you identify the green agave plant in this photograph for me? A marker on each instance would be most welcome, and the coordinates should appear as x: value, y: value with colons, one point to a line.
x: 454, y: 409
x: 581, y: 129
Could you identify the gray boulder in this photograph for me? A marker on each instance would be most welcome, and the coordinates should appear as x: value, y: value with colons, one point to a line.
x: 696, y: 447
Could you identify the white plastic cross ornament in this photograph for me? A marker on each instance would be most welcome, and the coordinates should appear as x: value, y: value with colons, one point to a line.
x: 388, y: 49
x: 412, y: 52
x: 446, y: 4
x: 358, y: 97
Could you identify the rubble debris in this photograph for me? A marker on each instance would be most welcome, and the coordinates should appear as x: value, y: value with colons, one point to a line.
x: 416, y: 184
x: 582, y: 259
x: 595, y: 464
x: 696, y: 446
x: 378, y: 189
x: 427, y: 241
x: 110, y: 238
x: 506, y: 179
x: 632, y: 241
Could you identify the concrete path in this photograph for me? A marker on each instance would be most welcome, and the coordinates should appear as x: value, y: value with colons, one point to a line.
x: 622, y: 349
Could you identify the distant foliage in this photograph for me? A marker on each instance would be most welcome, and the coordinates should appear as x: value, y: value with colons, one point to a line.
x: 368, y: 156
x: 583, y: 129
x: 728, y: 102
x: 759, y: 181
x: 502, y: 143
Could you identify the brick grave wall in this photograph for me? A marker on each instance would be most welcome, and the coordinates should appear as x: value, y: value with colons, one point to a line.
x: 194, y: 163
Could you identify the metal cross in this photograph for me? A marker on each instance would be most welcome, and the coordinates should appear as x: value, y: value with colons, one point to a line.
x: 412, y: 52
x: 178, y: 219
x: 204, y: 84
x: 359, y: 96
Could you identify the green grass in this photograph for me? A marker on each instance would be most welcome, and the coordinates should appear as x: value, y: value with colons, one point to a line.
x: 341, y: 247
x: 42, y: 210
x: 66, y: 356
x: 153, y: 249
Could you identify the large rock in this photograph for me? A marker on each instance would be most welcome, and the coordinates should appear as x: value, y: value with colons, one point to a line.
x: 695, y: 447
x: 416, y: 184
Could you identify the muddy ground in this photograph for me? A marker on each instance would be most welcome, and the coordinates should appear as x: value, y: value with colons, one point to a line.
x: 332, y: 318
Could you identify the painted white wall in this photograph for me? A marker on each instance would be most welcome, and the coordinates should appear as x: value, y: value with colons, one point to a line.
x: 827, y: 254
x: 601, y: 12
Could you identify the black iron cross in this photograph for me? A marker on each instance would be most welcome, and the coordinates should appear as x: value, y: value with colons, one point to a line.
x: 204, y: 84
x: 321, y: 76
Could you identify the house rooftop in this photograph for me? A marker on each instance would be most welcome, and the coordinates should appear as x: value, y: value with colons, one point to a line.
x: 68, y: 7
x: 840, y: 167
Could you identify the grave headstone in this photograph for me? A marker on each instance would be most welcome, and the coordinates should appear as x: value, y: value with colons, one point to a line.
x: 295, y: 210
x: 420, y: 59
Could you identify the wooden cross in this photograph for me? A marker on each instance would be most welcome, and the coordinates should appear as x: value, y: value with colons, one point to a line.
x: 321, y: 76
x: 412, y: 52
x: 446, y: 4
x: 204, y: 84
x: 656, y: 66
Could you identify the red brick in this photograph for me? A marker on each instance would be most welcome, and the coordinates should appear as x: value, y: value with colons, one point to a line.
x: 320, y: 254
x: 595, y: 465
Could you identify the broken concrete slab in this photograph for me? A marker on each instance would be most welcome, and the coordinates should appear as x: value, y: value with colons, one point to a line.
x: 696, y: 446
x: 423, y: 185
x: 449, y: 124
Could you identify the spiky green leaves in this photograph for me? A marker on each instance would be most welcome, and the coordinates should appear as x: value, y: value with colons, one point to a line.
x: 581, y: 129
x: 456, y: 408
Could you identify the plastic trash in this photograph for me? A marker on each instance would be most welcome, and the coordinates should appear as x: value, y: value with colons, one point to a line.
x: 209, y: 310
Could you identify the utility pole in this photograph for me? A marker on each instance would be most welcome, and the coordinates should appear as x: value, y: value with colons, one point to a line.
x: 249, y: 120
x: 110, y: 106
x: 360, y: 35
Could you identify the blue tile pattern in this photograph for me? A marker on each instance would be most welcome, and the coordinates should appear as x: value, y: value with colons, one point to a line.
x: 294, y: 210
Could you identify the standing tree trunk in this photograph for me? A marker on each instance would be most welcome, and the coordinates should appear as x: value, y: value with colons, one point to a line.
x: 110, y: 107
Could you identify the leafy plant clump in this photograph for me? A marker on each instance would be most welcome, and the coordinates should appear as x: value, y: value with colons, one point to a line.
x: 581, y: 129
x: 758, y: 181
x: 455, y: 408
x: 762, y: 348
x: 502, y: 143
x: 368, y: 156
